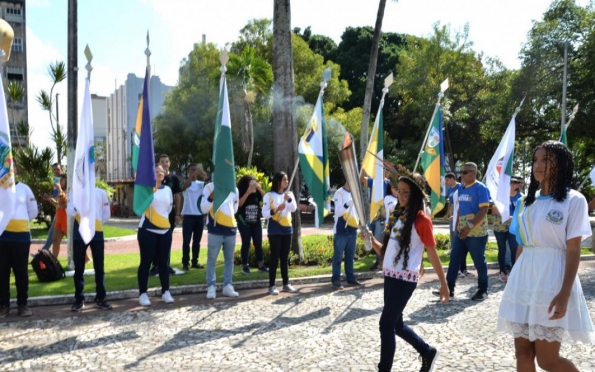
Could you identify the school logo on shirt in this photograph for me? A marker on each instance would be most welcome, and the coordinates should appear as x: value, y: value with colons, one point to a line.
x: 555, y: 216
x: 465, y: 198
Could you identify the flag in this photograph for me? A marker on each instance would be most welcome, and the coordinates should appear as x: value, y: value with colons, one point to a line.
x: 500, y: 171
x: 225, y: 172
x: 144, y: 164
x: 592, y: 175
x: 138, y: 126
x: 372, y: 163
x: 83, y: 188
x: 313, y: 157
x: 563, y: 138
x: 432, y: 162
x: 7, y: 180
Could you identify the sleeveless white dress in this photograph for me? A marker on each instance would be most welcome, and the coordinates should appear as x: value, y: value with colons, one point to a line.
x: 536, y: 278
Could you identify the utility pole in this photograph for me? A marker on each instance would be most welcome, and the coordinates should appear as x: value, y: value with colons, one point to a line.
x: 72, y: 106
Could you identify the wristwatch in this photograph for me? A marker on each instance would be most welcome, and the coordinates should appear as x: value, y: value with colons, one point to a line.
x: 470, y: 224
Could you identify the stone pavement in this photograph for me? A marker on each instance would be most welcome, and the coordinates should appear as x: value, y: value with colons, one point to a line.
x: 316, y: 330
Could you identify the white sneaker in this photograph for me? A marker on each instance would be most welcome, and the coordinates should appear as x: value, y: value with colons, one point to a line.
x: 167, y: 298
x: 461, y: 274
x: 229, y: 292
x: 143, y: 300
x: 289, y: 288
x: 273, y: 290
x: 211, y: 292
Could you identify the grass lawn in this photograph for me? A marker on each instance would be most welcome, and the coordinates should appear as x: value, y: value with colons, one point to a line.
x: 41, y: 232
x: 121, y: 272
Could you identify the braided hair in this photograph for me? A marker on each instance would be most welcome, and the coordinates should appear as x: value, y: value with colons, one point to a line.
x: 561, y: 168
x: 414, y: 205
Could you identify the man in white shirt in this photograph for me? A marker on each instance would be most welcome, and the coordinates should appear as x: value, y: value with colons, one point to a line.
x: 194, y: 220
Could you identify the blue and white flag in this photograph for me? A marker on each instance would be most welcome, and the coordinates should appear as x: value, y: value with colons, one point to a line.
x: 83, y: 189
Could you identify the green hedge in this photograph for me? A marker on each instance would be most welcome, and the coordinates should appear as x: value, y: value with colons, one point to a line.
x: 318, y: 251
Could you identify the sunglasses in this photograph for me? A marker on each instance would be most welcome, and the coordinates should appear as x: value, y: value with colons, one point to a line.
x: 466, y: 171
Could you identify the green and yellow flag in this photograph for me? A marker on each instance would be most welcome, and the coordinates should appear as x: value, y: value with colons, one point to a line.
x: 432, y: 162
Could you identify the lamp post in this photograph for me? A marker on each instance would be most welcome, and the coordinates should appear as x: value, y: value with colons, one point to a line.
x: 564, y: 82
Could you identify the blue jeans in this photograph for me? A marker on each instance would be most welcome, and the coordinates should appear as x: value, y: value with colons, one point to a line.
x: 503, y: 237
x: 344, y: 244
x: 79, y: 250
x: 464, y: 260
x: 153, y: 246
x: 251, y: 232
x: 396, y: 295
x: 49, y: 241
x: 215, y: 243
x: 477, y: 247
x: 192, y: 228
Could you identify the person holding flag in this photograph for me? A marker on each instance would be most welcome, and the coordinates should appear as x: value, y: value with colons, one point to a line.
x: 90, y: 207
x: 313, y: 158
x: 220, y: 197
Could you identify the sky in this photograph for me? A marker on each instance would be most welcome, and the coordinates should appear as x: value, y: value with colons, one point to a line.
x: 116, y: 31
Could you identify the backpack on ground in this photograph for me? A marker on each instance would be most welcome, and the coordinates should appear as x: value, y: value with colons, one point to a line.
x: 47, y: 267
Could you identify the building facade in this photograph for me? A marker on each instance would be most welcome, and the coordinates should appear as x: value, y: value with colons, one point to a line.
x: 14, y: 72
x: 122, y: 107
x: 99, y: 106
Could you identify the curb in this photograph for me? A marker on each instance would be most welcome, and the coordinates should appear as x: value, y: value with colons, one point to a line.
x: 202, y: 288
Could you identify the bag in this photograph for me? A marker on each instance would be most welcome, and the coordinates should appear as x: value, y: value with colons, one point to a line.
x: 47, y: 267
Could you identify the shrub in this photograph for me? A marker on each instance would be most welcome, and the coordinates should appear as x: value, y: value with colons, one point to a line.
x: 442, y: 242
x: 262, y: 179
x: 318, y: 251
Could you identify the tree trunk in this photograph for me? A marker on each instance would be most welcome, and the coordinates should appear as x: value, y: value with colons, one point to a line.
x: 284, y: 123
x: 250, y: 134
x: 72, y: 106
x: 370, y: 80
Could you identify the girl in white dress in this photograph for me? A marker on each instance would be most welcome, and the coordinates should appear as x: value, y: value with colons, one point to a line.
x: 543, y: 303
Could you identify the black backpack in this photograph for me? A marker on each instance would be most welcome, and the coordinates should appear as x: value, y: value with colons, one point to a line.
x: 47, y: 267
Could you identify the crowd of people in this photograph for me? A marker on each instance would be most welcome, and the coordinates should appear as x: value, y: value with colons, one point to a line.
x: 542, y: 304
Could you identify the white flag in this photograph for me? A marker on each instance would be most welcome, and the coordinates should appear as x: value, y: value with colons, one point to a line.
x: 7, y: 181
x: 592, y: 175
x: 500, y: 171
x: 83, y: 189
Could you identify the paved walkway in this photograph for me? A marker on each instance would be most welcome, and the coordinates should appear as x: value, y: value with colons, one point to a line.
x: 315, y: 330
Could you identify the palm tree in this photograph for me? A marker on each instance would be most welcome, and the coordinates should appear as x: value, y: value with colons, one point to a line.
x: 285, y: 136
x: 57, y: 72
x: 256, y: 77
x: 370, y: 79
x: 15, y: 92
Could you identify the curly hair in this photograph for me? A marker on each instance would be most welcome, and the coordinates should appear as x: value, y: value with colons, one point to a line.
x: 561, y: 168
x: 414, y: 205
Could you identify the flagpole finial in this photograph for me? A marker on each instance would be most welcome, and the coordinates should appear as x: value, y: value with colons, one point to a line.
x: 223, y: 58
x: 148, y: 52
x: 89, y: 57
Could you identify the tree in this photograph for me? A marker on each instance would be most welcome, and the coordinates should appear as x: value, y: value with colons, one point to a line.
x: 35, y: 171
x: 541, y: 76
x: 57, y: 73
x: 15, y: 92
x: 284, y: 123
x: 471, y: 100
x: 370, y: 79
x: 185, y: 128
x: 255, y: 77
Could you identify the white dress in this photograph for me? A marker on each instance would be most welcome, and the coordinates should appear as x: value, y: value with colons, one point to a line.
x: 536, y: 278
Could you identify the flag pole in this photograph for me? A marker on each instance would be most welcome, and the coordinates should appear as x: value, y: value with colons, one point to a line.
x: 574, y: 111
x: 325, y: 77
x: 443, y: 88
x: 516, y: 111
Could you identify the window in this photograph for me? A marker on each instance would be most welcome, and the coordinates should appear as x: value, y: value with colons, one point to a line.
x: 14, y: 15
x: 17, y: 45
x: 15, y: 73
